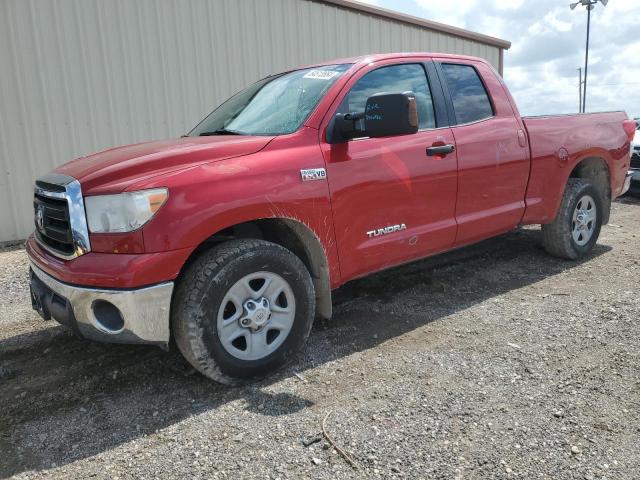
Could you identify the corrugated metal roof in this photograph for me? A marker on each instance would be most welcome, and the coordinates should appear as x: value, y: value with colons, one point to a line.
x: 421, y: 22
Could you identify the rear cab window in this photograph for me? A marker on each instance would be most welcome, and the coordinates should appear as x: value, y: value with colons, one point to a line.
x: 469, y: 96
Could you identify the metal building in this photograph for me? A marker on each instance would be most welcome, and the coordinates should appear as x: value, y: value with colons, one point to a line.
x: 78, y: 76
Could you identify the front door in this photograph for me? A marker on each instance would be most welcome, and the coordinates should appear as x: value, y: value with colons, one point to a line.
x: 392, y: 202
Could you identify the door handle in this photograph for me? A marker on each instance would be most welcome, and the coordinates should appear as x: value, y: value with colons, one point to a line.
x: 441, y: 150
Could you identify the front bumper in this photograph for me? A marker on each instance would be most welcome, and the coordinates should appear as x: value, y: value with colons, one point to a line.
x: 109, y: 315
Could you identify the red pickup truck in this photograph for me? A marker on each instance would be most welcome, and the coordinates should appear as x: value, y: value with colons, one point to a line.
x: 230, y: 239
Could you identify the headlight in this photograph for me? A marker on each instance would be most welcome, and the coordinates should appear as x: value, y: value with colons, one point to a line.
x: 123, y: 212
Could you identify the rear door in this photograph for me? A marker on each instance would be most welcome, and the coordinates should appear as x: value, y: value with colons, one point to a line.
x: 391, y: 201
x: 493, y: 156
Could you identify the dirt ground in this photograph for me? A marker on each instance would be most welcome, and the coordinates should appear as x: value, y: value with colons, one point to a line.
x: 496, y: 361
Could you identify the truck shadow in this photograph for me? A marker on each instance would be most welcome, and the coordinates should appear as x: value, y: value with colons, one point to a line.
x: 64, y: 399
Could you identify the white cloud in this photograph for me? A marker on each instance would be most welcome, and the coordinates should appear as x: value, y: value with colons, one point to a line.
x: 508, y: 4
x: 555, y: 23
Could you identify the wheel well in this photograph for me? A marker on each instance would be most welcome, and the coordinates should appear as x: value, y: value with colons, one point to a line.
x: 295, y: 237
x: 596, y: 170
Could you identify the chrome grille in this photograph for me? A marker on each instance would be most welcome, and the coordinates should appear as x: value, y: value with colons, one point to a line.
x: 59, y: 216
x: 52, y: 223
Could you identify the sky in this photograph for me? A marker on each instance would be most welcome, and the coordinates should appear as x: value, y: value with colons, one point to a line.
x: 548, y: 45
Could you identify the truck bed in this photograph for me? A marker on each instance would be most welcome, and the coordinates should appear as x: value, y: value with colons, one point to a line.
x: 558, y: 142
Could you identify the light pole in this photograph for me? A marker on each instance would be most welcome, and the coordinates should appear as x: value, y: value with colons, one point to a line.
x: 590, y: 4
x: 579, y: 89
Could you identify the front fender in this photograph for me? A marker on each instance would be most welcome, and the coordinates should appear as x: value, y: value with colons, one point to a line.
x: 207, y: 199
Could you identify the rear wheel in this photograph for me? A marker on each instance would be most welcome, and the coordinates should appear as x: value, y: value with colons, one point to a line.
x: 575, y: 231
x: 242, y: 310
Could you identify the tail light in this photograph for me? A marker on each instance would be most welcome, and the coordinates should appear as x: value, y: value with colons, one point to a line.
x: 629, y: 128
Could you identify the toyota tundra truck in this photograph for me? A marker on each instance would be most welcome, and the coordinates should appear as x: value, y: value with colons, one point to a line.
x: 228, y: 241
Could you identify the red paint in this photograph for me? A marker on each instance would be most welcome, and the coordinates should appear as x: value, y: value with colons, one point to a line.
x: 580, y: 136
x: 493, y: 168
x: 132, y: 242
x: 111, y: 171
x: 630, y: 127
x: 108, y: 270
x: 381, y: 182
x: 505, y: 171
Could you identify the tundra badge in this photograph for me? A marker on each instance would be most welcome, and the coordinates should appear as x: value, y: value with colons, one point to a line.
x: 386, y: 230
x: 313, y: 174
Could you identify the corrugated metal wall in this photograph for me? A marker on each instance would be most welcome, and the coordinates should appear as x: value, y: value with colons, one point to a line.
x: 77, y: 76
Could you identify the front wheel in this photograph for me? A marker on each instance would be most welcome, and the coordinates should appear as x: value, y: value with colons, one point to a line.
x: 242, y: 310
x: 575, y: 231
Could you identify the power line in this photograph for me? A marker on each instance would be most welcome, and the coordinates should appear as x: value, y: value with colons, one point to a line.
x: 615, y: 84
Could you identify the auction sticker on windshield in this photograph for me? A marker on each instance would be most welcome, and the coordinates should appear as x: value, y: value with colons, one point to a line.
x: 321, y: 74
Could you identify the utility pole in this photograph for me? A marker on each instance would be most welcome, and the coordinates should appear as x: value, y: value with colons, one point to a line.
x: 590, y: 4
x: 586, y: 59
x: 580, y: 90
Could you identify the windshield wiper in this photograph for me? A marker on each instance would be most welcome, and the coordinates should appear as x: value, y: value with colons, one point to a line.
x: 220, y: 131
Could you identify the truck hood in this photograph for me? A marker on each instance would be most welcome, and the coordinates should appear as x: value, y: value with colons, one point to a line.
x: 113, y: 170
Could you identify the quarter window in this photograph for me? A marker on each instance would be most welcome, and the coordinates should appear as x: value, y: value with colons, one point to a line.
x: 470, y: 100
x: 393, y: 79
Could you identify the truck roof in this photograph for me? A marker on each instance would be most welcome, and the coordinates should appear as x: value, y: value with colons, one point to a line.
x: 377, y: 57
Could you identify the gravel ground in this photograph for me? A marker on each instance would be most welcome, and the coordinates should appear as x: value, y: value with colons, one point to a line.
x: 496, y: 361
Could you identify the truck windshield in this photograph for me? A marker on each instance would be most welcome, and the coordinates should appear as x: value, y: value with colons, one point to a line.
x: 275, y: 105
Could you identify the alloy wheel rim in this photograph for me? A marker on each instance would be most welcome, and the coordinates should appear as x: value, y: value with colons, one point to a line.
x: 256, y: 315
x: 583, y: 222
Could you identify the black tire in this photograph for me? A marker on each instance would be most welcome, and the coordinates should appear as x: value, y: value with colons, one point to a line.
x: 557, y: 237
x: 201, y: 290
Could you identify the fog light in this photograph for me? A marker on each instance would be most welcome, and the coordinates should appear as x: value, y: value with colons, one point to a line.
x: 108, y: 316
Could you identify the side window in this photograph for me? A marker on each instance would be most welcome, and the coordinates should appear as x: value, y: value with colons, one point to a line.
x: 393, y: 79
x: 470, y: 100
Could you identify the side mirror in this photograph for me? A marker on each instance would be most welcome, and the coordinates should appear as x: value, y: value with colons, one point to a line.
x: 345, y: 126
x: 388, y: 114
x: 385, y: 115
